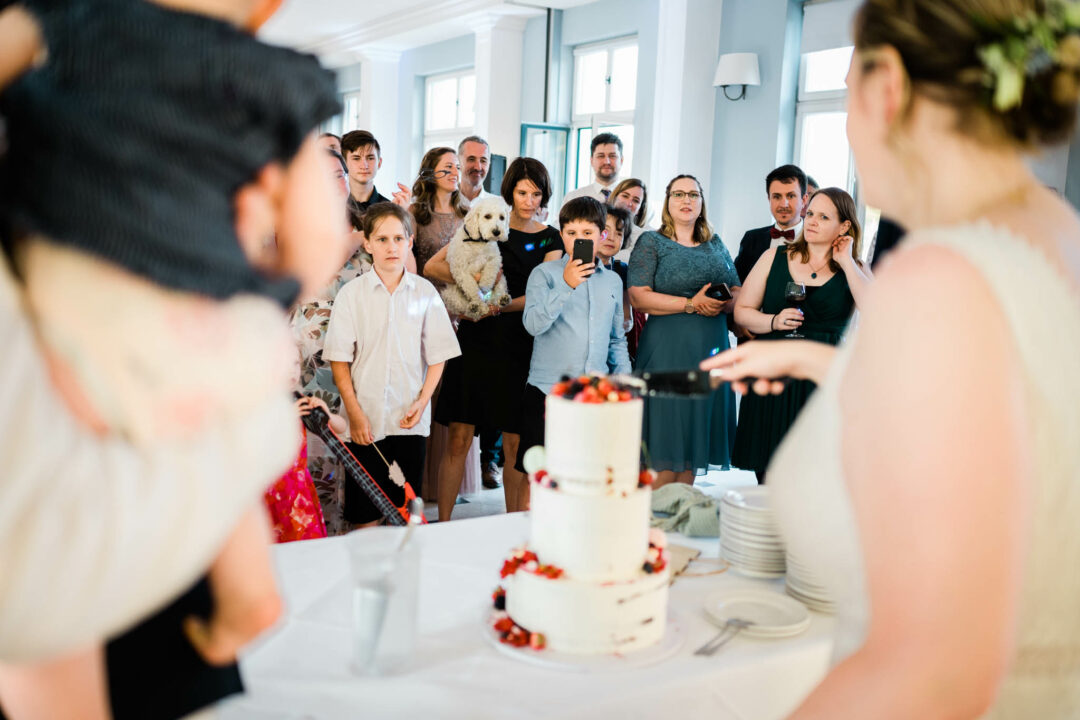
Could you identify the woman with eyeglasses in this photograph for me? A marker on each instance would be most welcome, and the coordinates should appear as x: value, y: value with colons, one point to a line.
x: 483, y: 387
x: 670, y: 274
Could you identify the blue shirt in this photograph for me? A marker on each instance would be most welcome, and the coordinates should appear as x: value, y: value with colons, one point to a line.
x: 577, y: 330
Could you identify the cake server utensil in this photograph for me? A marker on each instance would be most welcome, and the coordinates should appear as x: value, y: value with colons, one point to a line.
x: 682, y: 383
x: 731, y: 628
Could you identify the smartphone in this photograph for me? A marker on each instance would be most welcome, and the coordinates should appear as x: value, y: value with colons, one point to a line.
x: 719, y: 291
x: 583, y: 251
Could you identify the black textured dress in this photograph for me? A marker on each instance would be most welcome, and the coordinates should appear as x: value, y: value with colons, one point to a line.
x: 483, y: 386
x: 764, y: 421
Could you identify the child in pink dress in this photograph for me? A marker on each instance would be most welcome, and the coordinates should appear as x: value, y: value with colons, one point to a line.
x: 295, y: 512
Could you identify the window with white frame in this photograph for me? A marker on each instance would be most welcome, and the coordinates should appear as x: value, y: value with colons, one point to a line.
x: 349, y: 117
x: 449, y: 108
x: 821, y: 144
x: 605, y: 97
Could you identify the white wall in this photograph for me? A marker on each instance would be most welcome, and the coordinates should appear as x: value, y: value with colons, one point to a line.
x: 754, y: 135
x: 606, y: 20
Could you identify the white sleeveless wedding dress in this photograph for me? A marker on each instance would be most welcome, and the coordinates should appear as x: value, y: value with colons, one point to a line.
x: 810, y: 496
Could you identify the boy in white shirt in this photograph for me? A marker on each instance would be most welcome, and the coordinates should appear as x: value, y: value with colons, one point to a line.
x: 388, y: 340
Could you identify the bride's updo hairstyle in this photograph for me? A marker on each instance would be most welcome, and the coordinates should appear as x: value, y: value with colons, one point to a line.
x: 1009, y: 68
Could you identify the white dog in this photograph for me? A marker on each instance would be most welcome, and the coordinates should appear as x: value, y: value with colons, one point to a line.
x: 473, y: 253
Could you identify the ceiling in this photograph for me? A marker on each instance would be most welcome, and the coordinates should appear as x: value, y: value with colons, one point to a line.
x: 339, y: 31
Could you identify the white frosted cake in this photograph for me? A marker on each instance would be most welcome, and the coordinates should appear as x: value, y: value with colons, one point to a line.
x: 593, y: 578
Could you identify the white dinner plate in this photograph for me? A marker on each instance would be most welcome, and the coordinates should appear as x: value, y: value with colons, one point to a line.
x: 821, y: 606
x: 774, y: 615
x: 753, y: 500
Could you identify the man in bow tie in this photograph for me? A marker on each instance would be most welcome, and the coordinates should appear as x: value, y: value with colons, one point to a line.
x: 786, y: 189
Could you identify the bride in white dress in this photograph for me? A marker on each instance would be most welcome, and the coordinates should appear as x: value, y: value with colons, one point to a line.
x: 933, y: 481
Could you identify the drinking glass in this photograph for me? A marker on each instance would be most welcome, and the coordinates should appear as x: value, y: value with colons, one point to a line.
x: 795, y: 294
x: 385, y: 581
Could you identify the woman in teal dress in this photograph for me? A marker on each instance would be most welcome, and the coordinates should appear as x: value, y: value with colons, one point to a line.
x: 669, y: 273
x: 823, y: 258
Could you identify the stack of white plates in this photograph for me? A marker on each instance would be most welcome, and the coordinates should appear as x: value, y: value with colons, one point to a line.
x: 804, y: 586
x: 749, y: 539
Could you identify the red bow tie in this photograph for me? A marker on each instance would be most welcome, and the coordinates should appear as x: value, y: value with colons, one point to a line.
x: 788, y: 234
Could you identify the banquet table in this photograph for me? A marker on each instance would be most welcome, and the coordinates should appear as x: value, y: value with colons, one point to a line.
x: 301, y: 670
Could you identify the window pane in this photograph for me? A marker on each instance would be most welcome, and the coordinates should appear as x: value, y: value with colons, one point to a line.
x: 626, y: 134
x: 824, y: 151
x: 590, y: 82
x: 467, y: 101
x: 351, y: 113
x: 584, y: 152
x: 826, y: 69
x: 584, y: 168
x: 441, y: 104
x: 548, y: 145
x: 623, y: 78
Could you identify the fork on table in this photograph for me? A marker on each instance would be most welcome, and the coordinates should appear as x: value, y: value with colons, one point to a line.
x: 731, y: 628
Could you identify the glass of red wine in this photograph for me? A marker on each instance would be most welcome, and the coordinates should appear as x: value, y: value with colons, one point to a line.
x: 795, y: 294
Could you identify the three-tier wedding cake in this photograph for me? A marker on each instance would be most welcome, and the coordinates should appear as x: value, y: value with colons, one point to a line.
x: 593, y: 578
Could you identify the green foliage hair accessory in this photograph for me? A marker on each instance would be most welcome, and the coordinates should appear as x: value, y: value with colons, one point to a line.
x: 1030, y: 45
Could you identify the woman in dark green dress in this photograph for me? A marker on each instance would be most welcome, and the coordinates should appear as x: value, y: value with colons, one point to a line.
x: 669, y: 273
x: 823, y: 259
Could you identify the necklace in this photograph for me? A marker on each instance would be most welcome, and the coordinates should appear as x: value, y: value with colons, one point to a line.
x: 814, y: 271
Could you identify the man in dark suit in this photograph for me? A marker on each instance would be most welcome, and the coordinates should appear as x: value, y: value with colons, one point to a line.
x: 786, y: 189
x: 889, y: 234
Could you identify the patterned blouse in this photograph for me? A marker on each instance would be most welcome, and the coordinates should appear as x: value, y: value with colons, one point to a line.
x: 309, y: 322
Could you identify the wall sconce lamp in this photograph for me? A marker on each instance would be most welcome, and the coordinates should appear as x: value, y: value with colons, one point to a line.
x: 737, y: 69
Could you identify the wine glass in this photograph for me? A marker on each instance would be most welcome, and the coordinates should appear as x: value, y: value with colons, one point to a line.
x: 795, y: 294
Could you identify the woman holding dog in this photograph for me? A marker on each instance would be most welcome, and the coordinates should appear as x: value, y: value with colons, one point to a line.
x: 483, y: 387
x: 439, y: 208
x: 437, y: 205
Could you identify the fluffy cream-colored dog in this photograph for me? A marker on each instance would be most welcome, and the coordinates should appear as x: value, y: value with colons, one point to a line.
x: 473, y: 253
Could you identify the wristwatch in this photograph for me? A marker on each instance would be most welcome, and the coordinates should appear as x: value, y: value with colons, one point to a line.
x: 690, y: 309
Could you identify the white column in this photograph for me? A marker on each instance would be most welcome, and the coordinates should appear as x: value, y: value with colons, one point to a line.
x: 666, y: 104
x: 378, y: 109
x: 498, y: 65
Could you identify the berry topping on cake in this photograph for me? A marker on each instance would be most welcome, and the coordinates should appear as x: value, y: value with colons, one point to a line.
x: 520, y: 557
x: 542, y: 479
x: 525, y: 560
x: 656, y: 558
x: 646, y: 478
x: 594, y: 389
x: 499, y: 598
x: 516, y: 636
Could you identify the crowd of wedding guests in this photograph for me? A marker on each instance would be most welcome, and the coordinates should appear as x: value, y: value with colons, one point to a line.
x: 679, y: 296
x: 931, y: 482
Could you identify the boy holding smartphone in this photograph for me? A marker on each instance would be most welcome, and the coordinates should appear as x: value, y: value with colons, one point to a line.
x: 573, y: 309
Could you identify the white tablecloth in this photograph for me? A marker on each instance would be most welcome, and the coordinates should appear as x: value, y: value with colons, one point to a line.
x: 302, y: 670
